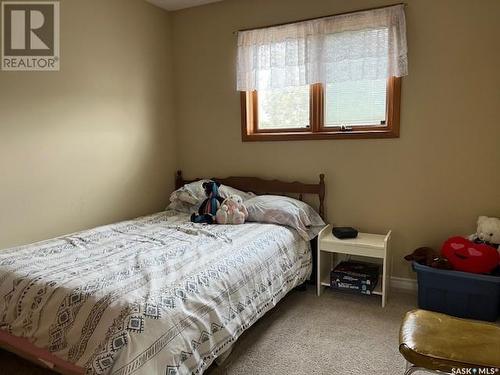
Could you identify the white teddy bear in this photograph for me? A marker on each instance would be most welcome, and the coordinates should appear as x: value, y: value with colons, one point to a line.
x: 232, y: 211
x: 488, y: 231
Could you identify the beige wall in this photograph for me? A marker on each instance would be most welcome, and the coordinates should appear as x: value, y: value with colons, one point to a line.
x: 427, y: 185
x: 93, y: 143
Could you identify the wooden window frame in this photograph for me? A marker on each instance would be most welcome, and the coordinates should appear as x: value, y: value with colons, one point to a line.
x: 251, y: 133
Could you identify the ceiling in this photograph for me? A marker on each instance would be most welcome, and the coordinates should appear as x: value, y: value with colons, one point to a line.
x: 180, y: 4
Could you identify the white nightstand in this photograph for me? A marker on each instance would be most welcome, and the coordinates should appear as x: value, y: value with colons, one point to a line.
x: 365, y: 245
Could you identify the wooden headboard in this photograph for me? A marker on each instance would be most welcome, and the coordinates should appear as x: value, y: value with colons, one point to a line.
x: 260, y: 186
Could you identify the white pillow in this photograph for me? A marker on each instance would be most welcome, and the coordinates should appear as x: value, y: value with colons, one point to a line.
x: 181, y: 206
x: 193, y: 193
x: 285, y: 211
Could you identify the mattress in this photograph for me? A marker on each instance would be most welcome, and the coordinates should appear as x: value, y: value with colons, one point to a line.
x: 154, y: 295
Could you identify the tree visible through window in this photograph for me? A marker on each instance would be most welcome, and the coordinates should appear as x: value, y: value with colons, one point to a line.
x: 284, y: 108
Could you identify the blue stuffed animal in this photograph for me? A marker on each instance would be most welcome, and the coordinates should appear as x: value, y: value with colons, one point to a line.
x: 209, y: 207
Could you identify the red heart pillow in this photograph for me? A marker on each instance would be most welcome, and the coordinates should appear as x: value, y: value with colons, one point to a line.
x: 467, y: 256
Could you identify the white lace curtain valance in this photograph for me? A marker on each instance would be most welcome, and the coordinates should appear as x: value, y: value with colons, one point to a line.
x: 365, y: 45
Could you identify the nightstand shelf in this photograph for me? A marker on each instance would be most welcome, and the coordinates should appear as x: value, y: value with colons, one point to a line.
x: 365, y: 245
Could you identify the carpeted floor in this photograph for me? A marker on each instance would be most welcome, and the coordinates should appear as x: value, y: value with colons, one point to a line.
x: 339, y: 334
x: 336, y: 333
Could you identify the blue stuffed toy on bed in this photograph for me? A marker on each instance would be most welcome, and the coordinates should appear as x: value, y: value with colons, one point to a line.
x: 208, y: 209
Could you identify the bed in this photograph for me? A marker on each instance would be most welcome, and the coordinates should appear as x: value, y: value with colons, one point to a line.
x: 153, y: 295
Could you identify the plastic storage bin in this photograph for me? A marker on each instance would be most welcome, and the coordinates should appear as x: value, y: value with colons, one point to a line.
x: 461, y: 294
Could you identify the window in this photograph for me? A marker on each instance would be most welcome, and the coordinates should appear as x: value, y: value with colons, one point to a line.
x: 352, y: 109
x: 332, y: 77
x: 275, y: 106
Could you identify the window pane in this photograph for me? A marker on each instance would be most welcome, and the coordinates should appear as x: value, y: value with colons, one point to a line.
x: 284, y: 108
x: 355, y: 103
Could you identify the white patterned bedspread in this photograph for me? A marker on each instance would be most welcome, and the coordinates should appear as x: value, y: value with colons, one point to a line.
x: 155, y: 295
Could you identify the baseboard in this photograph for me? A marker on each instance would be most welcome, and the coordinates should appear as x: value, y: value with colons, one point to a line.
x: 404, y: 283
